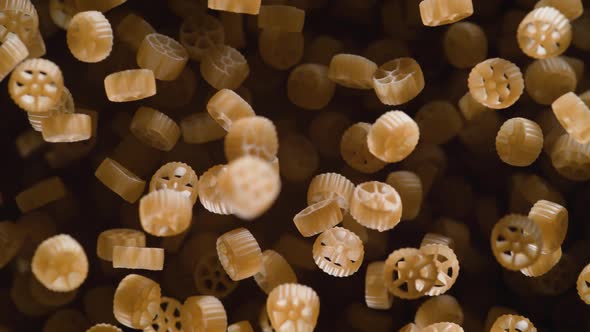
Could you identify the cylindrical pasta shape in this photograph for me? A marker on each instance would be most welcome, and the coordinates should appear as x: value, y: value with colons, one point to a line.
x: 438, y: 121
x: 176, y: 176
x: 465, y: 45
x: 203, y: 313
x: 435, y: 13
x: 469, y: 107
x: 433, y: 238
x: 318, y: 217
x: 108, y: 239
x: 200, y: 32
x: 496, y: 83
x: 209, y: 192
x: 67, y: 128
x: 544, y: 264
x: 251, y: 7
x: 338, y: 252
x: 138, y: 258
x: 227, y: 107
x: 200, y: 128
x: 519, y: 142
x: 20, y: 17
x: 130, y: 85
x: 165, y: 212
x: 280, y: 49
x: 65, y: 105
x: 443, y: 308
x: 409, y: 187
x: 571, y: 159
x: 376, y: 205
x: 293, y: 305
x: 136, y: 302
x: 155, y: 128
x: 322, y: 48
x: 90, y: 37
x: 274, y: 272
x: 330, y: 186
x: 377, y: 295
x: 252, y: 136
x: 60, y: 263
x: 12, y: 52
x: 572, y: 9
x: 239, y: 253
x: 36, y: 46
x: 355, y: 151
x: 163, y: 55
x: 36, y: 85
x: 516, y: 242
x: 283, y: 18
x: 398, y: 81
x: 352, y: 71
x: 132, y: 29
x: 574, y: 116
x: 552, y: 219
x: 40, y: 194
x: 120, y: 180
x: 393, y: 136
x: 309, y: 87
x: 544, y: 33
x: 224, y: 67
x: 548, y: 79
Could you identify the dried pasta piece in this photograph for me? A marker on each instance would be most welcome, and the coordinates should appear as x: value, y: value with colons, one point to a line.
x: 574, y: 116
x: 552, y: 219
x: 251, y: 7
x: 64, y: 106
x: 138, y: 258
x: 572, y: 9
x: 465, y: 45
x: 103, y: 327
x: 376, y: 205
x: 224, y: 67
x: 176, y: 176
x: 226, y: 107
x: 318, y: 217
x: 338, y: 252
x: 496, y: 83
x: 250, y: 185
x: 90, y: 37
x: 110, y: 238
x: 41, y: 194
x: 309, y: 87
x: 583, y: 284
x: 163, y: 55
x: 281, y: 17
x: 60, y: 263
x: 280, y: 49
x: 12, y: 52
x: 409, y: 274
x: 252, y: 136
x: 352, y: 71
x: 210, y: 276
x: 120, y: 180
x: 393, y: 136
x: 330, y: 186
x: 239, y: 253
x: 434, y: 238
x: 209, y: 192
x: 443, y: 308
x: 155, y: 128
x: 513, y: 323
x: 446, y: 267
x: 62, y: 11
x: 293, y: 306
x: 546, y: 262
x: 203, y: 313
x: 165, y: 212
x: 299, y: 158
x: 355, y: 151
x: 544, y: 33
x: 200, y: 128
x: 36, y: 85
x: 376, y: 294
x: 436, y: 13
x: 19, y: 17
x: 443, y: 327
x: 132, y: 29
x: 130, y: 85
x: 243, y: 326
x: 548, y: 79
x: 519, y: 142
x: 571, y: 159
x: 398, y: 81
x: 274, y: 272
x: 12, y: 237
x: 200, y: 32
x: 68, y: 128
x: 438, y: 121
x: 168, y: 317
x: 36, y: 46
x: 409, y: 187
x: 469, y: 107
x: 516, y: 242
x: 137, y: 301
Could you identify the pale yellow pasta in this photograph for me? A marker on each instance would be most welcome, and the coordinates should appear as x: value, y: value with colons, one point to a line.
x: 546, y: 262
x: 200, y: 128
x: 250, y: 185
x: 209, y: 192
x: 12, y: 237
x: 138, y: 258
x: 438, y: 121
x: 136, y: 302
x: 227, y: 107
x: 99, y: 5
x: 398, y: 81
x: 393, y: 136
x: 280, y: 49
x: 108, y: 239
x: 496, y: 83
x: 281, y: 17
x: 309, y: 87
x: 352, y: 71
x: 330, y: 186
x: 512, y: 323
x: 165, y: 212
x: 318, y: 217
x: 552, y: 219
x: 338, y: 252
x: 233, y: 27
x: 519, y: 142
x: 574, y: 116
x: 236, y: 6
x: 582, y: 284
x: 203, y: 313
x: 90, y: 37
x: 132, y: 29
x: 239, y: 254
x: 60, y: 263
x: 516, y: 242
x: 103, y: 327
x: 299, y: 158
x: 19, y: 17
x: 291, y: 305
x: 252, y: 136
x: 36, y: 85
x: 130, y: 85
x: 355, y: 151
x: 200, y: 32
x: 571, y: 159
x: 435, y: 13
x: 409, y: 187
x: 163, y: 55
x: 155, y: 128
x: 376, y: 205
x: 469, y: 107
x: 465, y: 45
x: 377, y: 295
x: 68, y: 128
x: 40, y: 194
x: 12, y: 52
x: 572, y: 9
x: 224, y: 67
x: 176, y: 176
x: 274, y: 272
x: 243, y: 326
x: 545, y: 32
x: 548, y: 79
x: 120, y: 180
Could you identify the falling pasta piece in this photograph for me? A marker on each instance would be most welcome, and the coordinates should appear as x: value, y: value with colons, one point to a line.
x: 496, y: 83
x: 409, y: 187
x: 330, y: 186
x: 436, y: 13
x: 377, y: 295
x: 210, y: 194
x: 438, y: 121
x: 519, y: 142
x: 465, y: 45
x: 168, y: 317
x: 398, y: 81
x: 513, y: 323
x: 201, y: 128
x: 239, y: 253
x: 120, y: 180
x: 338, y: 252
x: 19, y: 17
x: 165, y: 212
x: 574, y: 116
x: 36, y: 85
x: 544, y: 33
x: 138, y: 258
x: 446, y: 266
x: 137, y: 301
x: 546, y: 262
x: 203, y: 313
x: 226, y: 107
x: 309, y: 86
x: 443, y: 308
x: 552, y: 219
x: 67, y: 128
x: 163, y: 55
x: 376, y: 205
x: 90, y: 37
x: 570, y: 158
x: 12, y: 52
x: 200, y: 32
x: 409, y: 274
x: 251, y: 7
x: 108, y: 239
x: 352, y: 71
x: 176, y: 176
x: 210, y: 276
x: 252, y: 136
x: 393, y: 136
x: 130, y: 85
x: 274, y: 272
x: 293, y: 306
x: 224, y: 67
x: 355, y: 151
x: 155, y: 128
x: 318, y: 217
x: 548, y: 79
x: 516, y: 242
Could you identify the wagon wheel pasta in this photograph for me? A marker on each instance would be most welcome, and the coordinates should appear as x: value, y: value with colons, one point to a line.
x: 36, y: 85
x: 519, y: 142
x: 243, y: 326
x: 496, y: 83
x: 409, y: 274
x: 293, y: 305
x: 330, y: 186
x: 574, y: 116
x: 583, y: 283
x: 338, y: 252
x: 19, y: 17
x: 210, y: 277
x: 130, y: 85
x: 120, y: 180
x: 104, y: 328
x: 163, y: 55
x: 393, y: 136
x: 446, y: 264
x: 136, y: 302
x: 274, y: 272
x: 108, y: 239
x: 409, y: 187
x: 167, y: 318
x: 239, y: 253
x: 438, y: 121
x: 252, y: 136
x: 242, y: 6
x: 516, y: 242
x: 545, y: 32
x: 377, y: 295
x: 376, y: 205
x: 281, y: 17
x: 309, y: 87
x: 40, y: 194
x: 318, y: 217
x: 90, y: 37
x: 224, y: 67
x: 227, y: 107
x: 12, y: 52
x: 210, y: 194
x: 512, y: 323
x: 552, y: 219
x: 155, y: 129
x: 548, y: 79
x: 200, y: 32
x: 67, y: 128
x: 571, y: 159
x: 176, y: 176
x: 203, y: 313
x: 443, y: 308
x: 165, y: 212
x: 138, y: 258
x: 435, y: 13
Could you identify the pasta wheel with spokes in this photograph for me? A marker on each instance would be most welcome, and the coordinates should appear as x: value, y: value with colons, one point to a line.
x: 36, y: 85
x: 226, y: 107
x: 224, y: 67
x: 409, y: 274
x: 516, y: 242
x: 435, y: 13
x: 165, y: 212
x: 130, y: 85
x: 138, y: 258
x: 19, y: 17
x: 513, y: 323
x: 338, y: 252
x: 12, y: 52
x: 572, y: 9
x: 176, y: 176
x: 210, y: 276
x: 62, y: 11
x: 155, y: 128
x: 583, y: 284
x: 393, y: 136
x: 90, y: 36
x: 544, y: 33
x: 163, y: 55
x: 446, y: 264
x: 352, y: 71
x: 377, y: 296
x: 293, y: 307
x: 330, y: 186
x: 136, y: 301
x: 203, y: 313
x: 239, y: 253
x: 318, y: 217
x: 200, y: 32
x: 552, y: 219
x: 376, y: 205
x: 168, y: 317
x: 252, y: 136
x: 274, y: 272
x: 64, y: 106
x: 496, y: 83
x: 210, y: 194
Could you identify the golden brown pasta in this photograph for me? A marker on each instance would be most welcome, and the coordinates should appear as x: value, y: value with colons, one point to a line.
x: 200, y: 128
x: 409, y: 187
x: 299, y: 158
x: 60, y: 263
x: 155, y: 128
x: 138, y: 258
x: 36, y: 46
x: 227, y: 107
x: 67, y: 128
x: 36, y: 85
x: 224, y: 67
x: 102, y: 327
x: 120, y: 180
x: 210, y: 276
x: 130, y: 85
x: 465, y: 45
x: 406, y: 275
x: 376, y: 205
x: 108, y: 239
x: 516, y: 242
x: 469, y: 107
x: 176, y: 176
x: 572, y: 9
x: 546, y: 262
x: 280, y: 49
x: 446, y: 267
x: 200, y: 32
x: 283, y: 18
x: 574, y: 116
x: 582, y: 284
x: 383, y: 50
x: 252, y: 136
x: 571, y: 159
x: 165, y: 212
x: 544, y: 33
x: 12, y: 52
x: 318, y: 217
x: 163, y: 55
x: 355, y: 150
x: 393, y: 136
x: 512, y: 323
x: 136, y: 302
x: 20, y: 17
x: 65, y: 105
x: 251, y: 7
x: 209, y: 192
x: 90, y: 37
x: 62, y: 11
x: 40, y: 194
x: 519, y: 142
x: 12, y: 237
x: 443, y: 308
x: 293, y: 305
x: 309, y: 87
x: 274, y: 272
x: 398, y: 81
x: 496, y: 83
x: 552, y: 219
x: 132, y: 29
x: 203, y: 313
x: 243, y: 326
x: 239, y: 253
x: 352, y: 71
x: 438, y: 121
x: 548, y: 79
x: 377, y: 295
x: 338, y: 252
x: 436, y: 13
x: 330, y: 186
